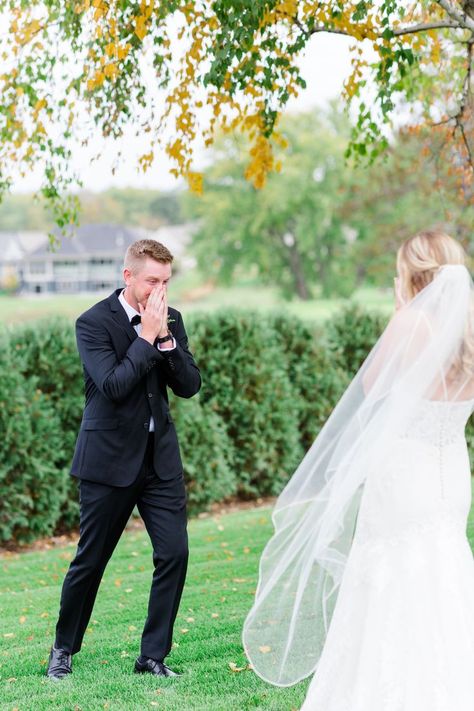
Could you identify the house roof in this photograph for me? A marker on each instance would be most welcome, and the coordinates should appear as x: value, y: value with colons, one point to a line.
x: 14, y: 246
x: 92, y: 239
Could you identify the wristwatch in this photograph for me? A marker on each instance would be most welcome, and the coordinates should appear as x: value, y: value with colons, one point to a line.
x: 168, y: 337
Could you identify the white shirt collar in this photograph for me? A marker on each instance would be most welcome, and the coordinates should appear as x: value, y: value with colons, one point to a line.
x: 129, y: 310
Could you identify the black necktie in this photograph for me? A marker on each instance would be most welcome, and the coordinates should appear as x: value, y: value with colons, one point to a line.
x: 136, y: 320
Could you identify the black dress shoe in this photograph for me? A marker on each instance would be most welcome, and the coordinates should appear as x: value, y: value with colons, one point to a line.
x: 60, y: 664
x: 145, y: 665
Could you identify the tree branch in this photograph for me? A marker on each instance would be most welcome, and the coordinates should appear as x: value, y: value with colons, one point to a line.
x: 425, y: 27
x: 462, y: 19
x: 466, y: 145
x: 464, y: 103
x: 457, y: 119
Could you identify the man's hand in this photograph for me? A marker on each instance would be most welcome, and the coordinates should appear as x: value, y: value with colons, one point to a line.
x: 155, y: 315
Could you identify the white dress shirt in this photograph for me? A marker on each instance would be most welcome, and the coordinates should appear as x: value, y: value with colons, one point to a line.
x: 131, y: 312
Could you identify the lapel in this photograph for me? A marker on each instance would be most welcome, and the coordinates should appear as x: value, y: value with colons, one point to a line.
x: 119, y: 315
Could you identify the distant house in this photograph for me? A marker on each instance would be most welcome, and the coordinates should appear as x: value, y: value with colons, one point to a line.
x: 91, y: 260
x: 14, y: 246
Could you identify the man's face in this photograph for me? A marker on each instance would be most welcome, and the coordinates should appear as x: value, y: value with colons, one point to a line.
x: 151, y: 274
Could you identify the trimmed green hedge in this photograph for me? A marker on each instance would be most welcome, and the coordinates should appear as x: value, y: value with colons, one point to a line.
x: 269, y: 384
x: 46, y: 353
x: 33, y: 485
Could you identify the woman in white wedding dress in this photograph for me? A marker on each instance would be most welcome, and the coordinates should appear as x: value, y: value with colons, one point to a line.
x: 368, y: 580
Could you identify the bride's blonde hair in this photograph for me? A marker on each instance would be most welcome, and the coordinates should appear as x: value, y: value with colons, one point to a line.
x: 418, y: 261
x: 421, y: 256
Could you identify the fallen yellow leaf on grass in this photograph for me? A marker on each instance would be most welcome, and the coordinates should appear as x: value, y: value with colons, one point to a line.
x: 184, y: 630
x: 22, y: 620
x: 9, y: 634
x: 233, y: 666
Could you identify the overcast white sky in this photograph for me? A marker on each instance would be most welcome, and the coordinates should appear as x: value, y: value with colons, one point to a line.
x: 325, y: 65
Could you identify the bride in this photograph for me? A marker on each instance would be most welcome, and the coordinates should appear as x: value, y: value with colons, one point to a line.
x: 368, y: 580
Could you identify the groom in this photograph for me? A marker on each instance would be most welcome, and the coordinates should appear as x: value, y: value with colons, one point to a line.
x: 132, y: 348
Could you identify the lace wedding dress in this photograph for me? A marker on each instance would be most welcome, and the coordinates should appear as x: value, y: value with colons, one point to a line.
x: 402, y: 632
x: 368, y: 580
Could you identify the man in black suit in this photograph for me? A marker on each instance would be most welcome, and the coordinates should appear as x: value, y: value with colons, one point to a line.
x: 132, y: 348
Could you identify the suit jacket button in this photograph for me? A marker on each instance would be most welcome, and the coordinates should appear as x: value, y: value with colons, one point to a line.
x: 146, y: 425
x: 150, y: 394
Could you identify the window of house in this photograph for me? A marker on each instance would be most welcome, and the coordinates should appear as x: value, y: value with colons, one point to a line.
x: 101, y: 262
x: 66, y: 263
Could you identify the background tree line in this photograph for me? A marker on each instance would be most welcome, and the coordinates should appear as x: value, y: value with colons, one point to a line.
x: 321, y: 227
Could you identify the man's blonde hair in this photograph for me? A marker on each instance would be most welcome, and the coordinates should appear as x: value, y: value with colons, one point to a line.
x: 140, y: 250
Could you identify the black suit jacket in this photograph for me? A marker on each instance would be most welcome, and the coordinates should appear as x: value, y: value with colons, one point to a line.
x: 126, y: 380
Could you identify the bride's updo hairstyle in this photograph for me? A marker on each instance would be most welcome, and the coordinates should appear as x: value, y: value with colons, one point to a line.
x: 421, y: 256
x: 418, y: 261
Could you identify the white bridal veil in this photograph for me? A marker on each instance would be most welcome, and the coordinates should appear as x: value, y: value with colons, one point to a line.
x: 424, y: 353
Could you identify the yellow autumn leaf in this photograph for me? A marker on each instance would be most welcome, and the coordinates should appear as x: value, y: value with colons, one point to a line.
x: 140, y: 27
x: 122, y: 52
x: 233, y: 666
x: 110, y: 71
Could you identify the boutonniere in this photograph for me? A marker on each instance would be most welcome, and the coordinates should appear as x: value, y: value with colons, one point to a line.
x: 171, y: 320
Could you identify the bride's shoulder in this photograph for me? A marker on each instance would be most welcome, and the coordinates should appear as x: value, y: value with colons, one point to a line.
x: 407, y: 320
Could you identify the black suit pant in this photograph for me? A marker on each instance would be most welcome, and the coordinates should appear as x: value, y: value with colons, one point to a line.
x: 104, y: 512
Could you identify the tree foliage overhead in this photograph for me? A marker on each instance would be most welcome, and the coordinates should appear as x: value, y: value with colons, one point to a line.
x: 72, y: 69
x: 319, y: 228
x: 291, y: 233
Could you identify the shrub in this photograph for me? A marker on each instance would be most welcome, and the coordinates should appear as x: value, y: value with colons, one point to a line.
x: 245, y: 382
x: 269, y: 385
x: 47, y: 352
x: 317, y: 383
x: 31, y: 491
x: 207, y: 453
x: 351, y: 336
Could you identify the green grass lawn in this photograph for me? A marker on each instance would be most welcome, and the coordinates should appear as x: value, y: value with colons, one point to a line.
x: 221, y: 581
x: 218, y: 593
x: 189, y: 294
